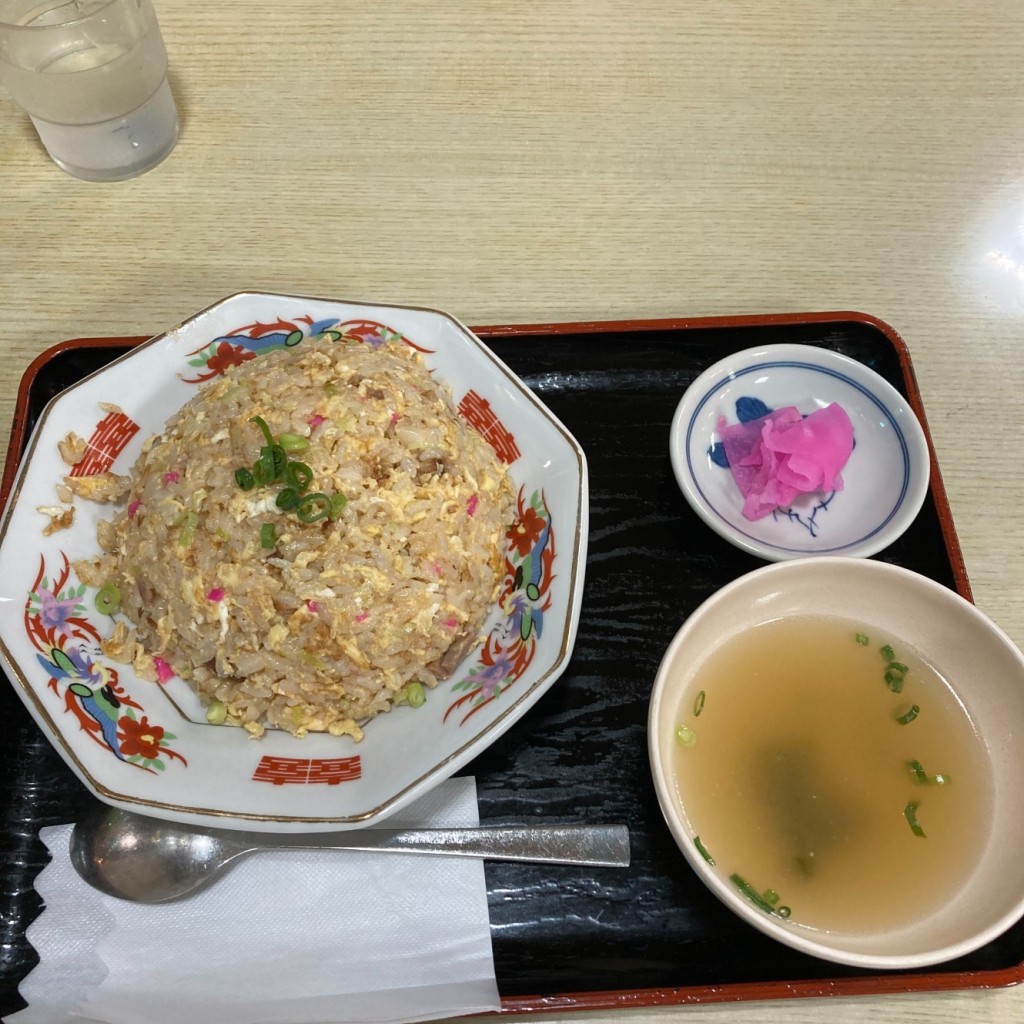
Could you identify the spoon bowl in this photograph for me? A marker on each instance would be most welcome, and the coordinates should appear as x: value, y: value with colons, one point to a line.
x: 146, y: 860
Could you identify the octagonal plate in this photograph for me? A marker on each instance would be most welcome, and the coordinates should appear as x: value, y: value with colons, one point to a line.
x: 146, y: 746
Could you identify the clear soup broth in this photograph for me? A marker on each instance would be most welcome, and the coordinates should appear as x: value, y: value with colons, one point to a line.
x: 832, y: 774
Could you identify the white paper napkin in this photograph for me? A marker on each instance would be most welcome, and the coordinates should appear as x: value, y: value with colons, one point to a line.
x: 286, y: 937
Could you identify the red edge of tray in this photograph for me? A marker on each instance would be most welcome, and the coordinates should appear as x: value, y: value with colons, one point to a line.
x: 874, y: 984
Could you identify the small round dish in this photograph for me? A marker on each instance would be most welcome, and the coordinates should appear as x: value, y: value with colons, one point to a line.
x: 885, y: 479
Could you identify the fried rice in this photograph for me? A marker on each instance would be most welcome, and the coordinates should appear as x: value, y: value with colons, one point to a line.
x: 309, y: 626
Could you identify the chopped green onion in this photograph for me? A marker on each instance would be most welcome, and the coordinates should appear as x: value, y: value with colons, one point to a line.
x: 271, y: 464
x: 264, y: 468
x: 108, y: 599
x: 280, y: 457
x: 922, y: 776
x: 217, y: 712
x: 338, y: 503
x: 894, y: 676
x: 910, y: 813
x: 685, y: 737
x: 908, y: 716
x: 698, y: 704
x: 414, y: 694
x: 313, y: 507
x: 262, y: 424
x: 298, y: 475
x: 770, y: 896
x: 753, y: 895
x: 898, y: 666
x: 293, y: 442
x: 313, y: 660
x: 189, y: 521
x: 702, y: 850
x: 887, y: 652
x: 287, y: 499
x: 862, y: 639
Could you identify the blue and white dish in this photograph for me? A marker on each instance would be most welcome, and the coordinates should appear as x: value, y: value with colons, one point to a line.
x: 885, y: 480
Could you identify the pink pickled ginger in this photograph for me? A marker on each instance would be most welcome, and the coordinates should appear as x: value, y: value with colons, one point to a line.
x: 780, y: 456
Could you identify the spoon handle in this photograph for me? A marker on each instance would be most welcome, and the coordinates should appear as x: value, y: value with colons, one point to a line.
x: 591, y: 845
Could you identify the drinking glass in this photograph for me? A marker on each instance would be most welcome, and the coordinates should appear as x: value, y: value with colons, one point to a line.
x: 92, y: 75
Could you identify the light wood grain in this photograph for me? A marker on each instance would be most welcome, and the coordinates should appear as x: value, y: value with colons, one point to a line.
x: 598, y: 159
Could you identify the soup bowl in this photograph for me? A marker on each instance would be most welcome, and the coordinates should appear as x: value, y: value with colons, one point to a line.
x: 904, y: 615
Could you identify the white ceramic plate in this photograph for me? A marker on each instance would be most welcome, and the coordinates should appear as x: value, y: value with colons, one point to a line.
x: 147, y: 747
x: 885, y: 479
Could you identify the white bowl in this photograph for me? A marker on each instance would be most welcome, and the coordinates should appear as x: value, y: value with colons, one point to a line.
x: 147, y: 747
x: 885, y: 479
x: 985, y: 670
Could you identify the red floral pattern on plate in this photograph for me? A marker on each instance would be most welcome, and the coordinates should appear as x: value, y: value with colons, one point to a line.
x: 59, y: 627
x: 526, y: 596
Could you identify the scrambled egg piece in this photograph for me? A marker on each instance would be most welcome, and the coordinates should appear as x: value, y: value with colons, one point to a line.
x: 100, y: 487
x: 120, y: 646
x: 60, y: 518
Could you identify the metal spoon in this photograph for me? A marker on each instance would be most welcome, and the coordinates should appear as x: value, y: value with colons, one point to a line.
x: 144, y: 860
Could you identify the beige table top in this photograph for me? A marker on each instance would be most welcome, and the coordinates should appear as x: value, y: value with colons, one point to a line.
x: 589, y: 159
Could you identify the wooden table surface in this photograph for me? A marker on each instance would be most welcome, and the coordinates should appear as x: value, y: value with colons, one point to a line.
x: 587, y: 159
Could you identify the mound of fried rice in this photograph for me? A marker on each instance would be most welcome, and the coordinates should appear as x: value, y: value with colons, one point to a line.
x: 331, y: 624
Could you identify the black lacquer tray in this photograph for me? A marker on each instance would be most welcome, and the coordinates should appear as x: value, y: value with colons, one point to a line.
x: 576, y: 938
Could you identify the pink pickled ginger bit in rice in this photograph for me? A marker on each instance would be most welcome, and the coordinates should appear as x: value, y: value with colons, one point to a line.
x: 778, y: 457
x: 164, y: 672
